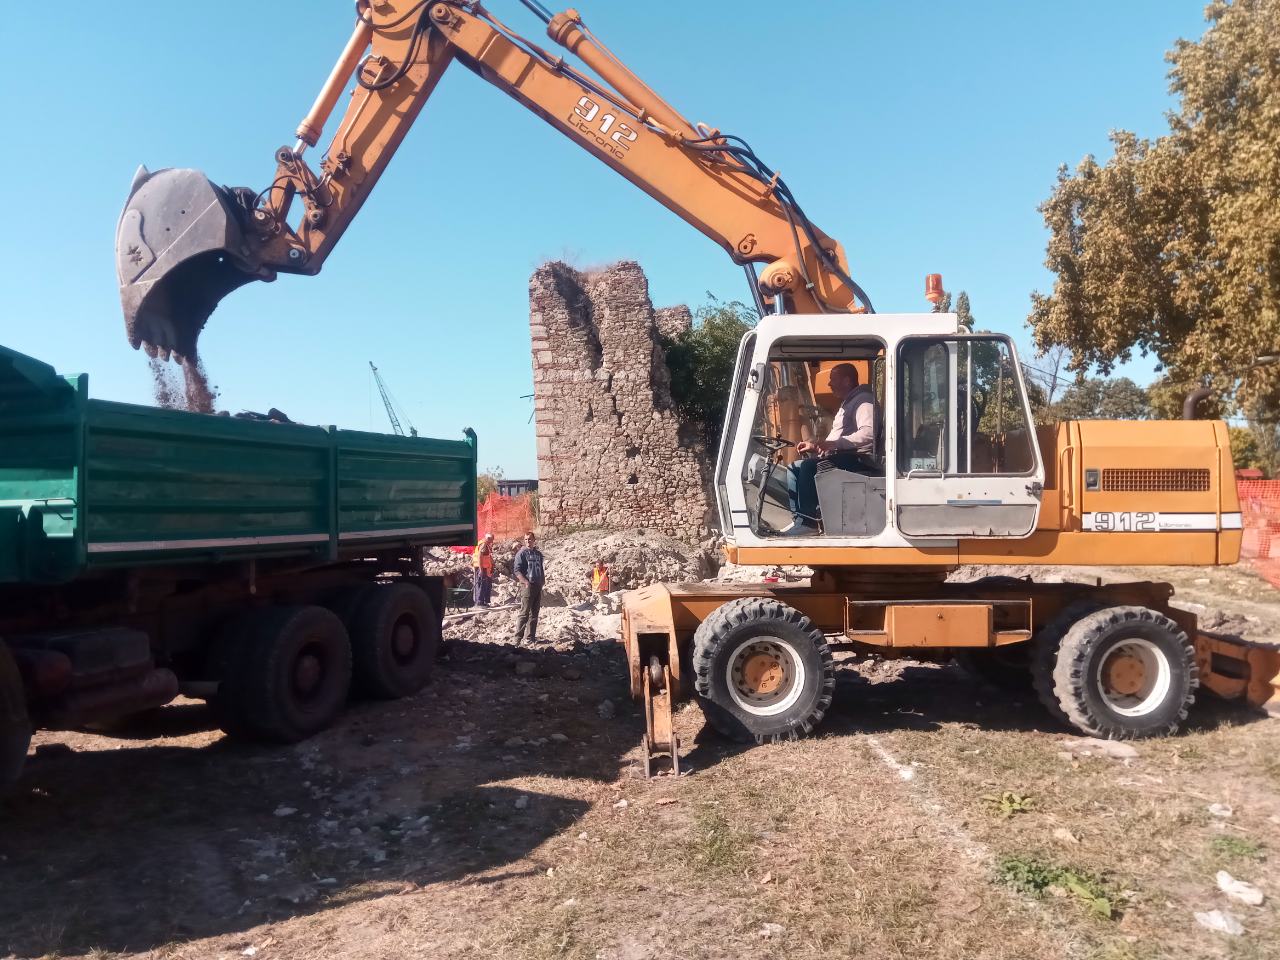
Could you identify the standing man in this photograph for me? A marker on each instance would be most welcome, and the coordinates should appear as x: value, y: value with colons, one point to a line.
x: 529, y: 572
x: 482, y: 571
x: 851, y: 444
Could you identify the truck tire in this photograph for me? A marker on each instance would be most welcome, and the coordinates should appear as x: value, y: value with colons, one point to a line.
x: 15, y: 727
x: 1044, y: 654
x: 1124, y: 673
x: 762, y: 671
x: 286, y: 673
x: 395, y: 635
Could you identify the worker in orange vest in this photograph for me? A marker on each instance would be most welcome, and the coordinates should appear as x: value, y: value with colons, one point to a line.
x: 600, y: 578
x: 482, y: 571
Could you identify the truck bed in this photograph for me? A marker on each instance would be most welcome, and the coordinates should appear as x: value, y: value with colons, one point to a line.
x: 89, y: 485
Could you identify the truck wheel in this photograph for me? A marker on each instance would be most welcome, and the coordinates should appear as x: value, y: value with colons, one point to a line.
x: 1124, y: 673
x: 15, y: 728
x: 394, y: 638
x: 286, y: 674
x: 762, y: 671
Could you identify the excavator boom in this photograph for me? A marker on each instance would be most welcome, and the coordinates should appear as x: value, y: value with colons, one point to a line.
x: 184, y: 243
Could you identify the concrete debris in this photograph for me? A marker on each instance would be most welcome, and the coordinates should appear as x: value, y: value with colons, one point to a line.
x: 1088, y: 747
x: 1221, y: 921
x: 1221, y: 810
x: 1240, y: 890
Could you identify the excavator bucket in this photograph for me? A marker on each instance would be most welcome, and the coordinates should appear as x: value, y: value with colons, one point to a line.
x: 180, y: 248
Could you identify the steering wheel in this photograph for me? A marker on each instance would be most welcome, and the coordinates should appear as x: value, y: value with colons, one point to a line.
x: 772, y: 444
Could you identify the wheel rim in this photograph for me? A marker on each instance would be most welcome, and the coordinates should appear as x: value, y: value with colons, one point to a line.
x: 765, y: 676
x: 1133, y: 677
x: 308, y: 672
x: 404, y: 639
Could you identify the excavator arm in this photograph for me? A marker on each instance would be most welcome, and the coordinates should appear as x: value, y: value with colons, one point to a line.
x: 184, y: 243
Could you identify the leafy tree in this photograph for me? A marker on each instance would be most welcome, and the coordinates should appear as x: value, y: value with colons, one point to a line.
x: 701, y: 361
x: 1117, y: 398
x: 963, y: 314
x: 487, y: 483
x: 1172, y: 247
x: 943, y: 305
x: 1244, y: 450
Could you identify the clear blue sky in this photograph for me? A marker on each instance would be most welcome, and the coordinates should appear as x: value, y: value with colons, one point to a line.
x: 922, y: 135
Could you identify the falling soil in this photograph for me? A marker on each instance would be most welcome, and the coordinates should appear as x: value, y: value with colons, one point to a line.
x: 193, y: 394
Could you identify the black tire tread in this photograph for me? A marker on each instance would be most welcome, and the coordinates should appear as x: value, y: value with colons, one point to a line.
x: 1070, y: 675
x: 1044, y: 654
x: 712, y: 633
x: 369, y: 677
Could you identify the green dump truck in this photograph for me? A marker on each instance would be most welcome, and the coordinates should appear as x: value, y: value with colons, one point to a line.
x: 269, y: 568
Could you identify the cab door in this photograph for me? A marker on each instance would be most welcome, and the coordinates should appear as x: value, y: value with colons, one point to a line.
x: 966, y: 458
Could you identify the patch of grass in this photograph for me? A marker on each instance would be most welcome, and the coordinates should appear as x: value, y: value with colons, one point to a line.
x: 1236, y: 848
x: 1009, y: 803
x: 1036, y: 878
x: 716, y: 846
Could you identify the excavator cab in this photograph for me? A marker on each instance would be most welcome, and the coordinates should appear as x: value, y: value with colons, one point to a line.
x: 180, y: 248
x: 954, y: 455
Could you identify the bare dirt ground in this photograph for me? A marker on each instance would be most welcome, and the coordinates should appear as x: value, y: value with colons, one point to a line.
x: 499, y: 814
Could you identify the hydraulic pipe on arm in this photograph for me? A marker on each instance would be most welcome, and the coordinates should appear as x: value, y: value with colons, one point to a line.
x: 183, y: 243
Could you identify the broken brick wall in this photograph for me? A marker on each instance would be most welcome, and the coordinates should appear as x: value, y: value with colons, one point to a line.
x: 612, y: 451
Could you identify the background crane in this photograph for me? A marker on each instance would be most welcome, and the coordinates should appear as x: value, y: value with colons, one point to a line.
x: 389, y: 402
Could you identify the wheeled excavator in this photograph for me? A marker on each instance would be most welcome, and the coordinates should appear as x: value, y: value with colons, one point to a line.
x: 960, y: 474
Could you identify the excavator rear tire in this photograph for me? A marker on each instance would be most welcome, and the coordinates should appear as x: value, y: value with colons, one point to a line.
x: 1124, y: 673
x: 15, y: 727
x: 1044, y: 654
x: 762, y: 671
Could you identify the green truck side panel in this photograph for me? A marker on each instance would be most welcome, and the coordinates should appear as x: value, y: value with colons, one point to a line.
x: 90, y: 484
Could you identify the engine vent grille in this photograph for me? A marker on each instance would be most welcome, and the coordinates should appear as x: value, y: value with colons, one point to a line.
x: 1171, y: 480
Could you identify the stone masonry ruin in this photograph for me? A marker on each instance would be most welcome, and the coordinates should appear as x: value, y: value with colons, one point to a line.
x: 612, y: 451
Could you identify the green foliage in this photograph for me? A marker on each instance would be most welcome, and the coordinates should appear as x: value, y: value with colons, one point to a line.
x: 1244, y: 449
x: 963, y: 314
x: 1236, y: 848
x: 487, y: 483
x: 1172, y: 246
x: 701, y: 362
x: 1009, y: 803
x: 1036, y: 878
x: 1095, y: 398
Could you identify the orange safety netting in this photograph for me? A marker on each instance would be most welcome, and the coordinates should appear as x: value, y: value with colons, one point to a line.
x: 1260, y: 516
x: 507, y: 517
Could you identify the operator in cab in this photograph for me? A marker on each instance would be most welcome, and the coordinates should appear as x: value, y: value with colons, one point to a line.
x: 850, y: 445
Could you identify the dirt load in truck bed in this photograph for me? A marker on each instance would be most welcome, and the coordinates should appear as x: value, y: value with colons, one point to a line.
x: 498, y: 813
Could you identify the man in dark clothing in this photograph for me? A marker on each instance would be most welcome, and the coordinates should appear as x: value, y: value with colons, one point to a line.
x: 528, y: 571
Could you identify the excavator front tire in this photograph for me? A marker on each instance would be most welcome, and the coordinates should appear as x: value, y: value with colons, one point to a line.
x: 762, y: 671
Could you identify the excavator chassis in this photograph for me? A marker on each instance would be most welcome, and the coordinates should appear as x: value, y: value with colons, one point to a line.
x: 909, y: 616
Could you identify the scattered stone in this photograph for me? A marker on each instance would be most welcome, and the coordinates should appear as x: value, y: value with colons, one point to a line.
x: 1088, y: 747
x: 513, y: 742
x: 770, y: 930
x: 525, y: 668
x: 1221, y: 921
x: 606, y: 710
x: 572, y: 673
x: 285, y: 811
x: 622, y: 804
x: 767, y: 878
x: 1222, y: 810
x: 559, y: 738
x: 1063, y: 835
x: 522, y: 801
x: 1240, y: 890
